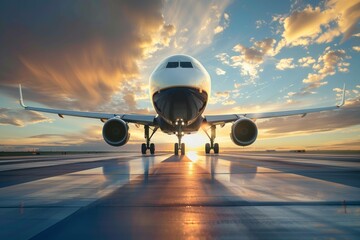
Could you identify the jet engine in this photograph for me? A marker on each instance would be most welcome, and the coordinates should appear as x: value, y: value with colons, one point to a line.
x: 115, y: 132
x: 243, y: 132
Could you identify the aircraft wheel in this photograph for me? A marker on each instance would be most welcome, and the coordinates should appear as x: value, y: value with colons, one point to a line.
x: 216, y: 148
x: 207, y: 148
x: 143, y: 148
x: 183, y: 149
x: 176, y: 149
x: 152, y: 149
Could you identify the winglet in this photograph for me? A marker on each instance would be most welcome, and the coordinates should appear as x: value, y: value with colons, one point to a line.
x: 343, y: 98
x: 21, y: 100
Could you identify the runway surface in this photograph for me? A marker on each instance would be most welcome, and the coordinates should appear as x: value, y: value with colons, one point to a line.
x: 233, y: 195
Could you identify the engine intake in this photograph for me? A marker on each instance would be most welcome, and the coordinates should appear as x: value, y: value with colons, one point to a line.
x: 115, y: 132
x: 243, y: 132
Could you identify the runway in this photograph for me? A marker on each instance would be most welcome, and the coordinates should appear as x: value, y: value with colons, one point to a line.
x: 233, y: 195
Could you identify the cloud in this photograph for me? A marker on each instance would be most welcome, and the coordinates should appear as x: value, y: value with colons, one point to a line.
x: 167, y: 32
x: 321, y: 24
x: 356, y: 48
x: 250, y: 59
x: 338, y: 90
x: 197, y: 22
x: 20, y: 118
x: 327, y: 64
x: 219, y: 71
x: 89, y: 135
x: 225, y: 24
x: 219, y: 97
x: 224, y: 58
x: 304, y: 25
x: 285, y: 63
x: 70, y: 54
x: 225, y: 94
x: 126, y: 101
x: 228, y: 102
x: 259, y: 23
x: 315, y: 122
x: 306, y: 61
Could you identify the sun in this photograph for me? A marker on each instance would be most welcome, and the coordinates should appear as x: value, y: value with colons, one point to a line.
x: 195, y: 141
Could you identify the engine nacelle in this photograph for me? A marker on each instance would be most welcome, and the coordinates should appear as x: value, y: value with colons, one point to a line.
x: 243, y: 132
x: 115, y: 132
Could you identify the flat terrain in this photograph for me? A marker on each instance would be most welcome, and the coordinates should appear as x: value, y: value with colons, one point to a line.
x: 233, y: 195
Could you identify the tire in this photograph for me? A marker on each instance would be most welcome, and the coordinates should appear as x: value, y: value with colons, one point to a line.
x: 216, y: 148
x: 207, y: 148
x: 183, y: 149
x: 143, y: 148
x: 176, y: 149
x: 152, y: 149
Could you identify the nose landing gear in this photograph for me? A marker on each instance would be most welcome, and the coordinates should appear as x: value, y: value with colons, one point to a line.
x: 211, y: 145
x: 179, y: 146
x: 147, y: 145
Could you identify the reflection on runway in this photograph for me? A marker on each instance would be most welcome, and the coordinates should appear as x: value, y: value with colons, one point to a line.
x: 253, y: 195
x: 234, y: 170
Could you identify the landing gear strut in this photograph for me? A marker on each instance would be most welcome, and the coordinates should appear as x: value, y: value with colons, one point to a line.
x: 212, y: 136
x: 179, y: 146
x: 148, y: 145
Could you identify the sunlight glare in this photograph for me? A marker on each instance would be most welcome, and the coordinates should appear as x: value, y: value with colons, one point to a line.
x: 194, y: 141
x: 193, y: 156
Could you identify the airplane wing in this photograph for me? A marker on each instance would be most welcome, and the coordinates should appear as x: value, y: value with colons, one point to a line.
x: 222, y: 119
x: 131, y: 118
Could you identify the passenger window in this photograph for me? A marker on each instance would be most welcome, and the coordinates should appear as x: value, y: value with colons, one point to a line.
x: 172, y: 65
x: 186, y: 65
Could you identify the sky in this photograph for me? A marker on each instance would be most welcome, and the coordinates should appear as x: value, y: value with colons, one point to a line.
x: 98, y: 56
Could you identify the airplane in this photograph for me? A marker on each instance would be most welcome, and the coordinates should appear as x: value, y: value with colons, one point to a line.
x: 179, y: 89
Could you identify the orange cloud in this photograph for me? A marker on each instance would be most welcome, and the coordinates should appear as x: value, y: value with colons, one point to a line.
x: 327, y: 65
x: 80, y: 57
x: 20, y: 118
x: 250, y: 59
x: 316, y: 24
x: 285, y: 63
x: 306, y: 61
x: 196, y: 22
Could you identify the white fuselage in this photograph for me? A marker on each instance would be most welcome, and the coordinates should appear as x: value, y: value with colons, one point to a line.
x: 179, y: 90
x: 163, y: 77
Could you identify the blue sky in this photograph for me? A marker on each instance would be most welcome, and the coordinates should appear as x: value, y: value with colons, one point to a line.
x: 261, y: 55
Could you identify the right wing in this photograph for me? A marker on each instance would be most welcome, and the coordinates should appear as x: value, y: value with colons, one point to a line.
x: 222, y: 119
x: 131, y: 118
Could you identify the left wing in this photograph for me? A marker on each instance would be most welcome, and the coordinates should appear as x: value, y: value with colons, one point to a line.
x: 131, y: 118
x: 222, y: 119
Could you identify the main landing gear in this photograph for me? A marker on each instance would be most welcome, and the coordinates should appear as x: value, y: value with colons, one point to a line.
x: 179, y: 146
x: 147, y: 145
x: 212, y: 136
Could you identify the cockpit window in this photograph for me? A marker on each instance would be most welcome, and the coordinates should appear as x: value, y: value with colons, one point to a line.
x: 186, y: 65
x: 176, y: 65
x: 172, y: 65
